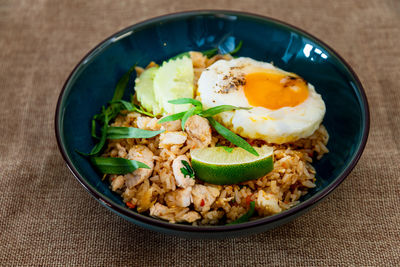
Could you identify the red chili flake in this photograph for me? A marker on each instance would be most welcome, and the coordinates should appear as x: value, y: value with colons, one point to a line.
x: 130, y: 205
x: 248, y: 200
x: 202, y: 203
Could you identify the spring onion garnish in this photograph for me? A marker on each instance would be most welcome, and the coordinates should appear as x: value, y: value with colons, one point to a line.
x: 130, y: 132
x: 218, y: 109
x: 122, y: 84
x: 125, y: 105
x: 192, y: 101
x: 173, y: 117
x: 237, y: 48
x: 117, y: 165
x: 116, y: 105
x: 99, y: 146
x: 187, y: 170
x: 232, y: 137
x: 246, y: 216
x: 197, y: 109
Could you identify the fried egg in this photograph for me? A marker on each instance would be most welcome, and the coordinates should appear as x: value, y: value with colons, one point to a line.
x: 284, y: 107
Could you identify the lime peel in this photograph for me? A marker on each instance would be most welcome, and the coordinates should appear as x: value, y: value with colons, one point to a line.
x: 217, y: 166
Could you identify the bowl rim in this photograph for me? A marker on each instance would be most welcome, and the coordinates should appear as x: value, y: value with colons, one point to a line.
x: 144, y: 219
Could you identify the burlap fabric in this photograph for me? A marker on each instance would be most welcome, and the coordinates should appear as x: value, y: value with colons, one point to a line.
x: 47, y: 218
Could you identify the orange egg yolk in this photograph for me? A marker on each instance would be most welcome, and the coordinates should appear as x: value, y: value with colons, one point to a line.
x: 274, y: 90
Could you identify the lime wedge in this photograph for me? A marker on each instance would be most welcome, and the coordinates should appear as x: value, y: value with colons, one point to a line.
x: 216, y: 165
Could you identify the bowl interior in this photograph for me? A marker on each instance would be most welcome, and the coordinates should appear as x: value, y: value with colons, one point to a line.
x: 92, y: 83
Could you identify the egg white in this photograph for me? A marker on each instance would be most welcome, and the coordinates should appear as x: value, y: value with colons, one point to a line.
x: 287, y: 124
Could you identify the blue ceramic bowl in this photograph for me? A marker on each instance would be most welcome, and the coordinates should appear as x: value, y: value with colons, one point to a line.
x: 91, y: 85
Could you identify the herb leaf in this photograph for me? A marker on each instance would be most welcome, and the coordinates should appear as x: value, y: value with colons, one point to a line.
x: 237, y: 48
x: 117, y: 165
x: 210, y: 53
x: 173, y: 117
x: 232, y: 137
x: 218, y: 109
x: 99, y: 146
x: 122, y: 84
x: 192, y: 101
x: 188, y: 114
x: 130, y: 132
x: 245, y: 217
x: 140, y: 109
x: 124, y: 104
x: 131, y: 107
x: 93, y: 131
x: 187, y: 170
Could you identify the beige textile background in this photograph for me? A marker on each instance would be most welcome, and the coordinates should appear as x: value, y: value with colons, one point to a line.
x: 47, y: 218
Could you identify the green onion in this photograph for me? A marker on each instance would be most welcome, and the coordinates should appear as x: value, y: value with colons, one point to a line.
x: 122, y: 84
x: 117, y: 165
x: 246, y: 216
x: 210, y: 53
x: 233, y: 138
x: 130, y: 107
x: 192, y: 101
x: 130, y: 132
x: 173, y: 117
x: 218, y: 109
x: 188, y: 114
x: 125, y: 104
x: 140, y: 109
x: 93, y: 132
x: 237, y: 48
x: 187, y: 170
x: 99, y: 146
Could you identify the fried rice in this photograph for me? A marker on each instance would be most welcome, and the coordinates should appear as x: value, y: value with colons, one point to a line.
x: 159, y: 193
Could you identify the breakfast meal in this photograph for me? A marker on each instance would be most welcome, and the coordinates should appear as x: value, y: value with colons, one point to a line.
x: 210, y: 139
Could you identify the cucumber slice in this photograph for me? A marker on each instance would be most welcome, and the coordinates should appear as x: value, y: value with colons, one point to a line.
x: 145, y: 91
x: 173, y: 80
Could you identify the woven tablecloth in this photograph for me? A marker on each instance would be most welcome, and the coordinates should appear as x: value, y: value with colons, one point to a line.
x: 46, y: 216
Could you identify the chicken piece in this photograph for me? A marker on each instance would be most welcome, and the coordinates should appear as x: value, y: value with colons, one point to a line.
x: 147, y: 123
x: 172, y: 126
x: 199, y: 131
x: 204, y: 196
x: 181, y: 180
x: 267, y: 204
x: 179, y: 198
x: 121, y: 150
x: 145, y: 201
x: 162, y: 212
x: 117, y: 183
x: 172, y: 138
x: 189, y: 217
x: 198, y: 59
x: 143, y: 154
x: 173, y: 214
